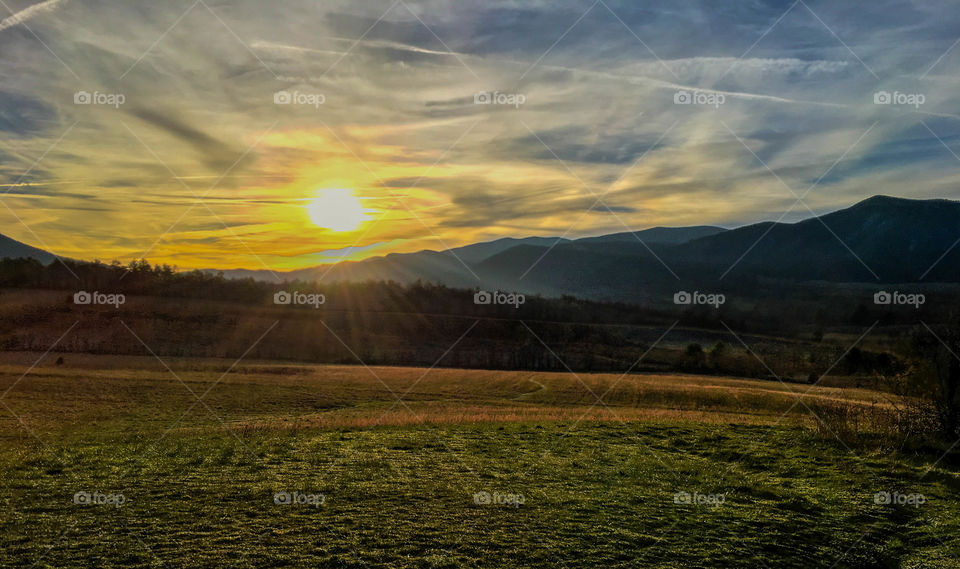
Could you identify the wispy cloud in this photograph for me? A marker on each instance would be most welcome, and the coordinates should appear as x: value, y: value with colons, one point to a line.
x: 383, y: 102
x: 29, y: 12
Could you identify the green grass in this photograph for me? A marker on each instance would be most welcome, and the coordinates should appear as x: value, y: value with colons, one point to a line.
x: 600, y: 495
x: 399, y: 487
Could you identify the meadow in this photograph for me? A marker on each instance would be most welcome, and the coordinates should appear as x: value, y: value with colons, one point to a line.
x: 111, y: 461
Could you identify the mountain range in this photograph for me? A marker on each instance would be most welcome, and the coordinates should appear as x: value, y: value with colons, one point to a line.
x: 879, y: 240
x: 16, y: 250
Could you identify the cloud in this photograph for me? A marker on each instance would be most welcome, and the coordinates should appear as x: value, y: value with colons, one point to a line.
x: 399, y: 117
x: 29, y: 13
x: 217, y: 154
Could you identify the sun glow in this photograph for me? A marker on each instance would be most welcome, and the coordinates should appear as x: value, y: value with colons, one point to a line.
x: 336, y: 209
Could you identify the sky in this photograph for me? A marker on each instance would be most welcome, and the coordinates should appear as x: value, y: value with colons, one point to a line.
x: 282, y: 135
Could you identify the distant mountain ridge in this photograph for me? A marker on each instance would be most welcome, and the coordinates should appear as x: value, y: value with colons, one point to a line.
x: 459, y: 266
x: 662, y: 235
x: 16, y: 250
x: 878, y: 240
x: 882, y: 239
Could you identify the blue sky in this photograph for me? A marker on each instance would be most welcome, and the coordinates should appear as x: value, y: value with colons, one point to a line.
x: 589, y: 129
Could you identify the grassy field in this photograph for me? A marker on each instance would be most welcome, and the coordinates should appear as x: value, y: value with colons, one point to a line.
x: 670, y: 471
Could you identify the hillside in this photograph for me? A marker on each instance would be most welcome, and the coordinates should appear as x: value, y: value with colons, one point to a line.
x: 14, y: 249
x: 879, y: 240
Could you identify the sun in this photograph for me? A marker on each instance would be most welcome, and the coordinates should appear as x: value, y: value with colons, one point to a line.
x: 336, y: 209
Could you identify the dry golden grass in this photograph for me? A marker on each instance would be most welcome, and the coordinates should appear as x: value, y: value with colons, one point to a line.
x: 135, y: 395
x: 445, y: 414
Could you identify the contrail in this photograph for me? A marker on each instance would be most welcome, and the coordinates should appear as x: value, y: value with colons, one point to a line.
x: 28, y: 13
